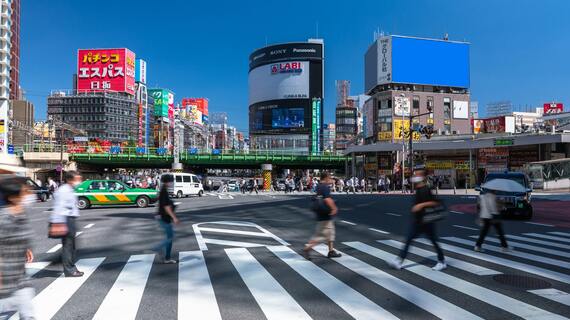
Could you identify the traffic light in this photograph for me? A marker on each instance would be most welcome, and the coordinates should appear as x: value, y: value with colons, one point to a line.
x: 427, y: 131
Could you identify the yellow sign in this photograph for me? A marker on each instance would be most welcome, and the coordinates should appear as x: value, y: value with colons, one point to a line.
x: 444, y: 164
x: 400, y: 128
x: 385, y: 136
x: 429, y: 120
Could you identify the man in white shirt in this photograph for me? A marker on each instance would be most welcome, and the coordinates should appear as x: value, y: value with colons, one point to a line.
x: 65, y: 212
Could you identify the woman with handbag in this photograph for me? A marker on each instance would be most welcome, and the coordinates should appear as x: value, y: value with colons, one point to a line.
x: 62, y: 221
x: 424, y: 202
x: 488, y: 213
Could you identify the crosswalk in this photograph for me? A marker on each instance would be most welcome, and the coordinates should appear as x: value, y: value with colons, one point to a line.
x: 358, y: 285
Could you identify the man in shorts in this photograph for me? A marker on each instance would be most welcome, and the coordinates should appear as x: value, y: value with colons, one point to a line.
x: 325, y: 231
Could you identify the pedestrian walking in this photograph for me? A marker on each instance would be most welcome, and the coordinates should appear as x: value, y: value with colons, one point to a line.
x: 424, y: 199
x: 166, y: 217
x: 15, y: 248
x: 254, y: 187
x: 325, y: 210
x: 63, y: 221
x: 488, y: 215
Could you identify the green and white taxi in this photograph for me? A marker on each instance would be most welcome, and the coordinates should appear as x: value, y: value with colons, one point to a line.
x: 112, y: 192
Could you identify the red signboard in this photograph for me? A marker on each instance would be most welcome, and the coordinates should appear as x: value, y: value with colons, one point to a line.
x: 200, y: 103
x: 106, y: 70
x: 553, y: 107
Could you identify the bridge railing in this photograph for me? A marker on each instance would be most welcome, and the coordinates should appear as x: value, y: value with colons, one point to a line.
x: 163, y: 152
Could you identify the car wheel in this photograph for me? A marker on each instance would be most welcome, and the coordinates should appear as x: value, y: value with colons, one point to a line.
x: 142, y: 202
x: 83, y: 203
x: 200, y: 193
x: 179, y: 194
x: 43, y: 197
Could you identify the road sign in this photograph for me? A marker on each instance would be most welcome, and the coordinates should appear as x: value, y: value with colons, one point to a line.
x: 10, y: 149
x: 503, y: 142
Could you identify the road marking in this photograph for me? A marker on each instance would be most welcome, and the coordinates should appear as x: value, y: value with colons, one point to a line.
x: 271, y: 297
x: 493, y: 298
x: 553, y: 294
x: 196, y: 298
x: 122, y: 301
x: 78, y: 233
x: 421, y: 298
x: 348, y: 222
x: 565, y: 234
x: 538, y: 235
x: 350, y: 300
x: 524, y: 255
x: 456, y: 263
x: 546, y: 243
x: 240, y: 232
x: 89, y: 226
x: 379, y: 231
x: 202, y: 241
x: 54, y: 249
x: 504, y: 262
x: 539, y: 224
x: 463, y: 227
x: 34, y: 267
x: 48, y: 302
x: 393, y: 214
x: 458, y: 212
x: 531, y: 247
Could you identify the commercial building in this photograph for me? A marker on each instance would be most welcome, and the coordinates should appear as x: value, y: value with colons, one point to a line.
x: 103, y: 101
x: 329, y: 135
x: 22, y: 123
x: 5, y: 53
x: 163, y: 130
x: 346, y: 117
x: 15, y: 91
x: 286, y: 97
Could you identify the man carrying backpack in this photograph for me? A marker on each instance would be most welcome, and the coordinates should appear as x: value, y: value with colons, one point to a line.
x: 325, y: 209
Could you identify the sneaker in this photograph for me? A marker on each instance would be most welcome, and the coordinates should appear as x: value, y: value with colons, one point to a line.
x: 477, y: 249
x: 334, y: 254
x: 170, y: 261
x: 396, y: 263
x: 306, y: 254
x: 439, y: 266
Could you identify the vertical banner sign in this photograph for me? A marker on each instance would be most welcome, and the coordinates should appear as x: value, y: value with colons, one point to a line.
x: 314, y: 123
x: 319, y: 125
x: 141, y: 115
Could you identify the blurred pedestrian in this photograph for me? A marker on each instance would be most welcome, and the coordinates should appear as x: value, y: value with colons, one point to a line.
x: 424, y: 199
x: 488, y: 215
x: 325, y: 210
x: 166, y: 217
x: 254, y: 186
x: 15, y: 248
x: 63, y: 220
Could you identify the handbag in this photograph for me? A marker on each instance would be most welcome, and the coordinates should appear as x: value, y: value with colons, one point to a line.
x: 434, y: 214
x: 57, y: 230
x: 318, y: 205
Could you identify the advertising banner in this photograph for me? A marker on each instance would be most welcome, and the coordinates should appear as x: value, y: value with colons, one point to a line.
x: 553, y: 107
x: 478, y: 126
x: 160, y: 97
x: 314, y: 125
x: 384, y: 60
x: 460, y: 110
x: 106, y: 70
x: 140, y: 71
x: 385, y: 136
x: 401, y: 130
x: 369, y: 118
x: 401, y: 106
x: 287, y: 80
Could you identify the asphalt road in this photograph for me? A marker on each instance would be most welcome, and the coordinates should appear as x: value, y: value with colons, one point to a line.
x: 239, y: 260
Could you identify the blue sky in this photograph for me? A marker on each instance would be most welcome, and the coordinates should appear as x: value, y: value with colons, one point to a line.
x: 519, y: 49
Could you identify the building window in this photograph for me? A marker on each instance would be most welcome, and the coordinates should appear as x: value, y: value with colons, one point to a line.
x: 446, y: 108
x: 416, y: 104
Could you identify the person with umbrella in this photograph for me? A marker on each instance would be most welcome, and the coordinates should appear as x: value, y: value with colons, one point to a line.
x: 489, y: 210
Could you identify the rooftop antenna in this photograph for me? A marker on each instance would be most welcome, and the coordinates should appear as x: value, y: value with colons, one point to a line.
x: 446, y: 36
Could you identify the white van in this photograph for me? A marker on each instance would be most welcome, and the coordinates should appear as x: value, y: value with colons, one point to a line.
x: 185, y: 184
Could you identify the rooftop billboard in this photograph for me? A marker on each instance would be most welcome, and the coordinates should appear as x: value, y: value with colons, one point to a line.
x: 161, y: 101
x: 397, y: 59
x: 106, y: 70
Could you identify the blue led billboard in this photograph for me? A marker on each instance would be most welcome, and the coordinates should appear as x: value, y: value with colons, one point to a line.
x: 288, y: 118
x: 430, y: 62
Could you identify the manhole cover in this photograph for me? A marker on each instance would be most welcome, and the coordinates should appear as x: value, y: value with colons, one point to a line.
x: 522, y: 282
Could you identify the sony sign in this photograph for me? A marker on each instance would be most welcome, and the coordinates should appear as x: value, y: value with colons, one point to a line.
x: 384, y: 60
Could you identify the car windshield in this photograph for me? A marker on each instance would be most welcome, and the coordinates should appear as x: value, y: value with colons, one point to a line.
x: 517, y: 178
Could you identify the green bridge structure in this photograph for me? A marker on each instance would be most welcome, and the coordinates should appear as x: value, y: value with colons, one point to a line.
x: 130, y: 158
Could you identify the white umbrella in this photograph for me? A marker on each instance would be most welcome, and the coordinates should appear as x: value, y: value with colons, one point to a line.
x: 504, y: 185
